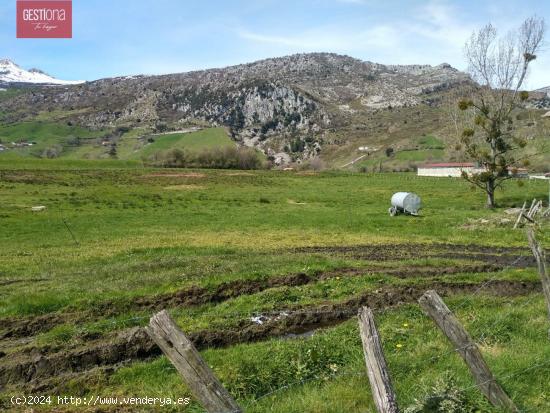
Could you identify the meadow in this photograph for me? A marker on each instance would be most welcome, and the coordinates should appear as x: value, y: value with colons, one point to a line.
x: 265, y: 270
x: 69, y: 142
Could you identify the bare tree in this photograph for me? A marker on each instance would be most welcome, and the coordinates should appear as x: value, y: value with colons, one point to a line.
x: 457, y: 118
x: 500, y: 67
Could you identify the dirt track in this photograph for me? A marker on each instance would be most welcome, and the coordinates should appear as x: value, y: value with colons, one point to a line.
x: 194, y: 296
x: 40, y: 368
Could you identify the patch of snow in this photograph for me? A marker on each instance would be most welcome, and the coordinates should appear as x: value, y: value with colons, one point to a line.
x: 12, y: 73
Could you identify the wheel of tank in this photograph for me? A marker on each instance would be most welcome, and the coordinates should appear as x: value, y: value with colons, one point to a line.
x: 392, y: 211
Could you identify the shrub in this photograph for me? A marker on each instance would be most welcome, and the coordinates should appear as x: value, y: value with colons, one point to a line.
x: 297, y: 145
x: 161, y: 127
x: 52, y: 152
x: 444, y: 397
x: 216, y: 158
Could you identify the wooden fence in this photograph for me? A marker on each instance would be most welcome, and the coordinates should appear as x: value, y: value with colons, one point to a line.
x: 210, y: 393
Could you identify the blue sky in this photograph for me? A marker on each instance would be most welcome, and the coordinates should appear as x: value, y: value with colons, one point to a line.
x: 122, y: 37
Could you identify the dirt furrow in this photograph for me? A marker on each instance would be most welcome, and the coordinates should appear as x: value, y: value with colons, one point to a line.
x: 194, y: 296
x: 386, y: 250
x: 134, y: 344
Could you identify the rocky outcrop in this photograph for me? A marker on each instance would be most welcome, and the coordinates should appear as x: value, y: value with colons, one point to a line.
x: 282, y: 106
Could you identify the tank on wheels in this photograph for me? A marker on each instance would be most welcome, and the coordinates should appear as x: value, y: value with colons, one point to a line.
x: 405, y: 203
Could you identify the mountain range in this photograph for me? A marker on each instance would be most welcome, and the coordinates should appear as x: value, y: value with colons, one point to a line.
x: 292, y: 108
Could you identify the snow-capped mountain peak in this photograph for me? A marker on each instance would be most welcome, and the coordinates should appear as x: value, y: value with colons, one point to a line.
x: 12, y: 73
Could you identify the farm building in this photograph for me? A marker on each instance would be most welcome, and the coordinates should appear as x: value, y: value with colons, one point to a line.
x: 451, y: 169
x: 455, y: 169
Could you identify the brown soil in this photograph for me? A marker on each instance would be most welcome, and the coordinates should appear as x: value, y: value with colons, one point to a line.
x: 515, y: 257
x: 28, y: 326
x: 131, y: 344
x: 194, y: 296
x: 413, y: 272
x: 36, y: 367
x: 45, y: 367
x: 386, y: 252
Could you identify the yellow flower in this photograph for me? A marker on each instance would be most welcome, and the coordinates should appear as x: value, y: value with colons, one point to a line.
x: 405, y: 324
x: 399, y: 345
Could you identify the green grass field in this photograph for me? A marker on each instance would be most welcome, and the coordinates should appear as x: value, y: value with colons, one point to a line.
x: 47, y: 132
x: 196, y: 141
x: 118, y: 242
x: 44, y: 134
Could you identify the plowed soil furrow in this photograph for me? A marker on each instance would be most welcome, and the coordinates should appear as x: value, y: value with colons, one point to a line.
x: 134, y: 344
x: 382, y: 250
x: 194, y: 296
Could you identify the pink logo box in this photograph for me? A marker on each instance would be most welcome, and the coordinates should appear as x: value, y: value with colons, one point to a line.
x: 44, y: 19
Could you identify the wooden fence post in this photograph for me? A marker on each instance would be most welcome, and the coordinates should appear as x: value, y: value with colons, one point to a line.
x: 520, y: 215
x: 200, y: 379
x: 377, y: 369
x: 538, y: 252
x: 434, y: 306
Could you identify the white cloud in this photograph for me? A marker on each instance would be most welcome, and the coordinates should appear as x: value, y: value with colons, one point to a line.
x: 330, y: 39
x: 445, y: 25
x: 433, y: 33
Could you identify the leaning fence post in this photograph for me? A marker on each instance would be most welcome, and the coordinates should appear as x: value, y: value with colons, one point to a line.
x: 434, y: 306
x: 200, y: 379
x: 538, y: 252
x: 520, y: 215
x: 377, y: 369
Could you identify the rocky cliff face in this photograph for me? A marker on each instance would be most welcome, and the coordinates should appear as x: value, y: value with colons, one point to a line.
x: 284, y: 106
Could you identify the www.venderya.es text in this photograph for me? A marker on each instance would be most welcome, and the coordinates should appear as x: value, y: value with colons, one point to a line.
x: 99, y: 401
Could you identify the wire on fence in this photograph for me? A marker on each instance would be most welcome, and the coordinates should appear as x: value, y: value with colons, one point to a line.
x: 464, y: 303
x: 351, y: 313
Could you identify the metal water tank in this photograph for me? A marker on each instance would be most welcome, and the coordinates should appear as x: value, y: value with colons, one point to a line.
x: 405, y: 202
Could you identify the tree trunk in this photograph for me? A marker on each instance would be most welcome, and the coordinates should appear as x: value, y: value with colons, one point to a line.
x: 490, y: 189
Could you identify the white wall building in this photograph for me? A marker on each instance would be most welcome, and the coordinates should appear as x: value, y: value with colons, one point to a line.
x: 454, y: 170
x: 447, y: 169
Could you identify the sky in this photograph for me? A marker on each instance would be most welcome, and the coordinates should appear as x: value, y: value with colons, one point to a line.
x: 127, y: 37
